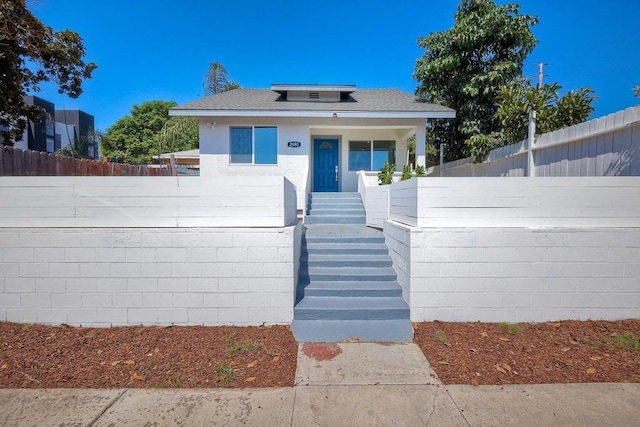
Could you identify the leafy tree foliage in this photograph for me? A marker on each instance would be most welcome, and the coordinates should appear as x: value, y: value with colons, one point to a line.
x: 178, y: 134
x: 636, y: 91
x: 516, y: 100
x: 216, y: 80
x: 134, y: 138
x: 465, y: 66
x: 32, y: 53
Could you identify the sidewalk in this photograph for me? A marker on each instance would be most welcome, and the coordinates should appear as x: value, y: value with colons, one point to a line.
x: 345, y: 384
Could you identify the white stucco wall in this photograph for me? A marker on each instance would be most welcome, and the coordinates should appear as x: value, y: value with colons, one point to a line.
x: 293, y: 163
x: 296, y: 164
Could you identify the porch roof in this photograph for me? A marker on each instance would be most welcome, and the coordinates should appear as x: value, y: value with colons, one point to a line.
x: 365, y: 103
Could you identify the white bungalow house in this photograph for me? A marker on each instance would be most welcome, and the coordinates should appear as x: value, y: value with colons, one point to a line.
x: 318, y: 136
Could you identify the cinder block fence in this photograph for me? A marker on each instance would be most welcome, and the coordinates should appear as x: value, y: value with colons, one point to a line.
x: 517, y: 249
x: 148, y: 250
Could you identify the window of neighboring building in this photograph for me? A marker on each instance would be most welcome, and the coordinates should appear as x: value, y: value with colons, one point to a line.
x: 253, y: 145
x: 371, y: 155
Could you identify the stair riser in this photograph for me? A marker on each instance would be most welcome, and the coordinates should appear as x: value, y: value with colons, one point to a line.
x: 369, y: 293
x: 339, y: 220
x: 362, y: 330
x: 345, y: 264
x: 340, y: 215
x: 348, y: 251
x: 335, y: 212
x: 341, y: 195
x: 348, y: 277
x: 343, y: 240
x: 361, y: 257
x: 351, y: 314
x: 340, y: 204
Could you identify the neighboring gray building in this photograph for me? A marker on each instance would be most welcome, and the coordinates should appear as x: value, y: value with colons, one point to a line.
x: 84, y: 128
x: 57, y: 129
x: 40, y: 136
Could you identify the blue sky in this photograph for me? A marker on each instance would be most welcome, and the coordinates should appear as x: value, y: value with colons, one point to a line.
x: 159, y: 50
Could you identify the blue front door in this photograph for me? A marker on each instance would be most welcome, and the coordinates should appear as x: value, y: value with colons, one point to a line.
x: 325, y: 162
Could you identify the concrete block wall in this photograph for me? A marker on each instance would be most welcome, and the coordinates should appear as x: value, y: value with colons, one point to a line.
x: 398, y: 240
x: 517, y: 274
x: 132, y: 276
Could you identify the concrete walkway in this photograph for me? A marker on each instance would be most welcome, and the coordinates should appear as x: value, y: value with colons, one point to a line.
x: 346, y: 384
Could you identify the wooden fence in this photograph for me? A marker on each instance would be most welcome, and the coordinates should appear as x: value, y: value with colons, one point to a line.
x: 16, y: 162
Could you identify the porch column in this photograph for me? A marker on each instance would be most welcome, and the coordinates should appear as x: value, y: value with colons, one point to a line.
x: 421, y: 140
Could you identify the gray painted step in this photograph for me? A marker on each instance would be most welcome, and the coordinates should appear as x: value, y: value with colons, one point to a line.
x: 348, y: 260
x: 373, y: 274
x: 347, y: 286
x: 351, y: 308
x: 338, y: 203
x: 349, y: 263
x: 347, y: 249
x: 333, y: 210
x: 362, y: 330
x: 353, y: 289
x: 338, y: 195
x: 352, y: 212
x: 340, y: 219
x: 344, y: 239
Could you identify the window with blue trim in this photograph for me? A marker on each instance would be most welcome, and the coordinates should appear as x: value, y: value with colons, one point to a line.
x: 253, y: 145
x: 371, y: 155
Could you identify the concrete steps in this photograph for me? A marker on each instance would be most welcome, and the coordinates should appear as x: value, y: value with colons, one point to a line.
x: 352, y: 308
x: 351, y: 289
x: 347, y: 286
x: 335, y: 208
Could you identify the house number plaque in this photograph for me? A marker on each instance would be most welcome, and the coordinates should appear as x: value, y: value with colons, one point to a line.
x: 294, y: 144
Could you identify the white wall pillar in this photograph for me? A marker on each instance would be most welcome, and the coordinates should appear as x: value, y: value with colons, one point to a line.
x: 531, y: 141
x: 421, y: 139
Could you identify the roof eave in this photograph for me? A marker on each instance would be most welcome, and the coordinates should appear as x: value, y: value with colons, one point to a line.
x: 438, y: 114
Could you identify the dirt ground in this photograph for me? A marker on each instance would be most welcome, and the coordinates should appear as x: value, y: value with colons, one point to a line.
x: 36, y: 356
x: 541, y: 353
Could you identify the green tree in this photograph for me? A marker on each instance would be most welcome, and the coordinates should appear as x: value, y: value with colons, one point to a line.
x: 178, y: 134
x: 216, y: 80
x: 465, y: 66
x: 636, y: 91
x: 32, y: 53
x: 134, y: 138
x: 516, y: 100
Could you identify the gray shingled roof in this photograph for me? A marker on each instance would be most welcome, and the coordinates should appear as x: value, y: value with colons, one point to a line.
x: 391, y: 100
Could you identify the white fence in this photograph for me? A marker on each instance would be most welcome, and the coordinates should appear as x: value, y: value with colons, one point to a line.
x: 519, y: 249
x: 570, y: 202
x: 517, y: 274
x: 146, y: 202
x: 102, y: 251
x: 375, y: 198
x: 608, y: 146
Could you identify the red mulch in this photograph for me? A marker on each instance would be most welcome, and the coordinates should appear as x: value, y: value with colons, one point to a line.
x: 540, y: 353
x: 37, y: 356
x: 180, y: 356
